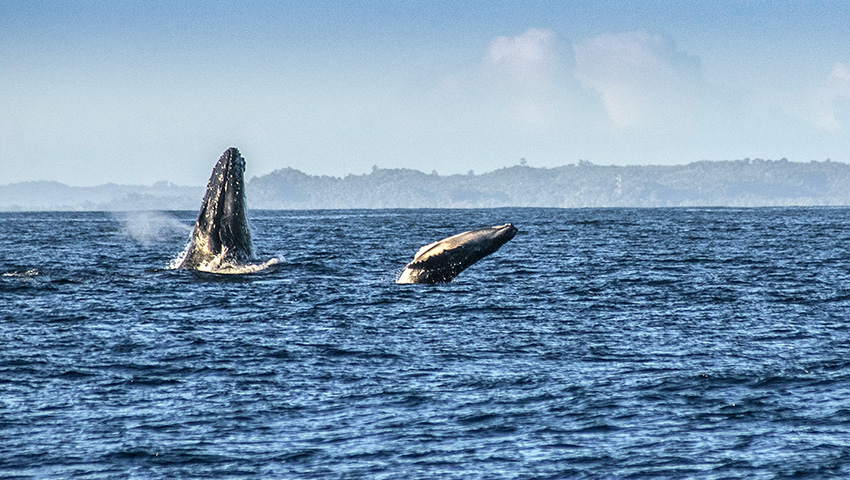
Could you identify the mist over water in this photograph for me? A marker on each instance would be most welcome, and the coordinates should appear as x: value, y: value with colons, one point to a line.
x: 598, y: 343
x: 150, y: 227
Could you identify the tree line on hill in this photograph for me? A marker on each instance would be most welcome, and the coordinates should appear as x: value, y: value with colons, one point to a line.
x: 737, y: 183
x: 740, y: 183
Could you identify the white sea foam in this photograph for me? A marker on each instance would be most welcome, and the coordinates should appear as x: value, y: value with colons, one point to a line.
x: 220, y: 266
x: 16, y: 274
x: 242, y: 268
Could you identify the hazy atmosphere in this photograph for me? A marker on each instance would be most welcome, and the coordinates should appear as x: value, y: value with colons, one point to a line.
x: 139, y: 92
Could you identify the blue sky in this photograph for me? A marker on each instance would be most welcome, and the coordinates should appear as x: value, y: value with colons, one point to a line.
x: 138, y: 92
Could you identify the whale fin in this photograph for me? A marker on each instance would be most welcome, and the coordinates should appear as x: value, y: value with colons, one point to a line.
x: 441, y: 261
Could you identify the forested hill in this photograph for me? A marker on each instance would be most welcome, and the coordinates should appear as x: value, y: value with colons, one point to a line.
x: 708, y: 183
x: 743, y: 183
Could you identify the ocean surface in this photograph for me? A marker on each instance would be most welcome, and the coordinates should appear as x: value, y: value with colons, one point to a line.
x: 598, y: 343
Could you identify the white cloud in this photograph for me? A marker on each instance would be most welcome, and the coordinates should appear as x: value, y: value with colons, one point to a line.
x: 528, y: 54
x: 642, y: 79
x: 835, y: 88
x: 528, y: 78
x: 630, y: 97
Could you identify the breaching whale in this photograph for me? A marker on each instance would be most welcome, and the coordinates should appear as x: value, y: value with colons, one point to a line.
x: 221, y: 238
x: 441, y: 261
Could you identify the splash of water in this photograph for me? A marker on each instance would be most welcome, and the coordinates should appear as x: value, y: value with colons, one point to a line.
x: 238, y: 269
x: 222, y: 265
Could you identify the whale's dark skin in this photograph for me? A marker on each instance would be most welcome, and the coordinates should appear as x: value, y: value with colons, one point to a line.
x: 221, y: 236
x: 442, y: 261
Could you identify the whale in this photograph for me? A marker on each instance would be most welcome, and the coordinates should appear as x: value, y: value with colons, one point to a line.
x: 221, y: 237
x: 443, y: 260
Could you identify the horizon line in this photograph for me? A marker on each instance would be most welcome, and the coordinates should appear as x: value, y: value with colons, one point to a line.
x: 376, y: 168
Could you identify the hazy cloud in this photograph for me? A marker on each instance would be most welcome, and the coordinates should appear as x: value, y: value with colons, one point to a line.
x: 530, y: 77
x: 532, y: 53
x: 642, y: 79
x: 835, y: 89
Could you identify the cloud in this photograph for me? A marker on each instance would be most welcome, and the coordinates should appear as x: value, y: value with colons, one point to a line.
x: 835, y: 89
x: 631, y: 97
x: 529, y: 79
x: 531, y: 53
x: 642, y: 79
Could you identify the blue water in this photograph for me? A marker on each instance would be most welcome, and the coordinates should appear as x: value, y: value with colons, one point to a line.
x: 669, y: 343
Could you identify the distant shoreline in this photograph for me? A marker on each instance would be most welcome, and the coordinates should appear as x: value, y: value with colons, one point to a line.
x: 735, y: 183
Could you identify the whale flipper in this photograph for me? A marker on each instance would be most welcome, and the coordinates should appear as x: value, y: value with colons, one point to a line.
x: 442, y: 261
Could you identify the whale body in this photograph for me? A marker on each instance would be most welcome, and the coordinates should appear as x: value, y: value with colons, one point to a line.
x: 221, y: 237
x: 442, y: 261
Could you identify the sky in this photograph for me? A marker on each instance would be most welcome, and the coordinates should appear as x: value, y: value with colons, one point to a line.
x: 127, y: 92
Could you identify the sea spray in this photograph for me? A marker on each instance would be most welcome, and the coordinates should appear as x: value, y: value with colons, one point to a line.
x: 151, y: 227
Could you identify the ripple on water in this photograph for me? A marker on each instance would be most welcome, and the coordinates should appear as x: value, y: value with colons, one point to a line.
x: 706, y: 343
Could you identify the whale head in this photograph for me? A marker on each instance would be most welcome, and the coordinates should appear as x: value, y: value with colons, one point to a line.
x: 441, y: 261
x: 221, y: 234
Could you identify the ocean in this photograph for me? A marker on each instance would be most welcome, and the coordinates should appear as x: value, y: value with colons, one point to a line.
x: 598, y: 343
